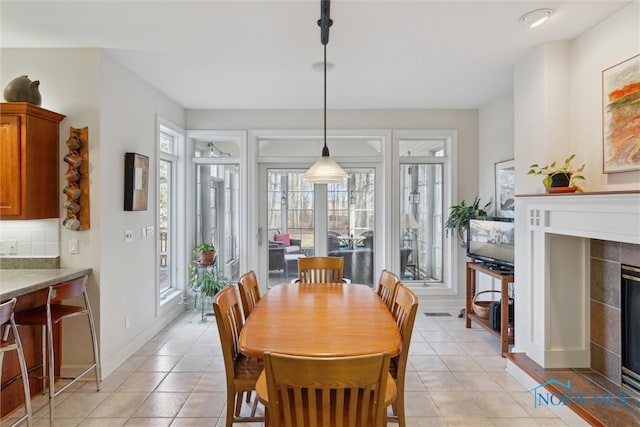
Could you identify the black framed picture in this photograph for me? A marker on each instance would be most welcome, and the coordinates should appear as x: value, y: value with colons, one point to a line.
x: 136, y: 181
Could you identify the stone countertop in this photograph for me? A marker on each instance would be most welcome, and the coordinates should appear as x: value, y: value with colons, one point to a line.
x: 17, y: 282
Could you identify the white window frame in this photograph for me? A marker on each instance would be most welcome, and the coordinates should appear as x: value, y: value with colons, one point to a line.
x: 178, y: 219
x: 449, y: 284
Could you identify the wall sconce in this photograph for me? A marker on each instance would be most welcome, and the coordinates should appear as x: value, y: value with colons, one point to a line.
x: 414, y: 197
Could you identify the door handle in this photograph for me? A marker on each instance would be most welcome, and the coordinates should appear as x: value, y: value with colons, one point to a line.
x: 259, y: 236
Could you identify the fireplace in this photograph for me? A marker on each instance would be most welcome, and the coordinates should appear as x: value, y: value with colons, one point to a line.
x: 630, y: 299
x: 558, y: 268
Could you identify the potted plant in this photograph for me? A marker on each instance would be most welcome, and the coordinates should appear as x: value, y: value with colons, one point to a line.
x: 459, y: 216
x: 206, y: 281
x: 205, y: 254
x: 563, y: 176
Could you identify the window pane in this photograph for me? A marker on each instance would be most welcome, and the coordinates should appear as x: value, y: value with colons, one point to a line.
x: 167, y: 143
x: 351, y: 221
x: 421, y: 210
x: 423, y: 147
x: 164, y: 221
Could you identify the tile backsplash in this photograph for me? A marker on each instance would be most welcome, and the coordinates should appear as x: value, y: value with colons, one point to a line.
x: 34, y: 238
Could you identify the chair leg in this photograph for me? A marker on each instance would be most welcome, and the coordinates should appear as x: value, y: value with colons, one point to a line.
x: 94, y: 339
x: 25, y: 374
x: 44, y: 358
x: 52, y: 373
x: 231, y: 400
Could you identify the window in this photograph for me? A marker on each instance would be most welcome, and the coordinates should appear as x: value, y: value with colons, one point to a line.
x: 423, y: 162
x: 169, y: 141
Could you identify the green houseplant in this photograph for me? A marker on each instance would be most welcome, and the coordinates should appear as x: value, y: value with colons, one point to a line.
x: 205, y: 254
x: 459, y: 216
x: 559, y: 176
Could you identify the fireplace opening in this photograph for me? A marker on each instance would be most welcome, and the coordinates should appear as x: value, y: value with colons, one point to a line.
x: 630, y: 328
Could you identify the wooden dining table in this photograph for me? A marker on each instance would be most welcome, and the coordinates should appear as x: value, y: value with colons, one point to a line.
x: 320, y: 320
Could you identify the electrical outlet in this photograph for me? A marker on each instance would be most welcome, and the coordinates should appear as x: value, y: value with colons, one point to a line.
x: 150, y: 230
x: 143, y: 232
x: 74, y: 246
x: 128, y: 236
x: 127, y: 321
x: 12, y: 247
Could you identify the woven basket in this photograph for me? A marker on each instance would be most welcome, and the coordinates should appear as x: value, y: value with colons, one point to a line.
x: 481, y: 308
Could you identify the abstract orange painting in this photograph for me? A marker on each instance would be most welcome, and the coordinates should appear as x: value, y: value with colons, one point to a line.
x: 621, y: 116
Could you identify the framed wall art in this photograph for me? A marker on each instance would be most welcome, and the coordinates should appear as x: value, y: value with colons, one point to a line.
x: 621, y: 116
x: 505, y: 182
x: 136, y: 181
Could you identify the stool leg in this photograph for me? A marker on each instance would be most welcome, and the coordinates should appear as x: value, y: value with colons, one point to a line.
x: 52, y: 373
x: 44, y: 358
x: 96, y: 356
x: 24, y: 372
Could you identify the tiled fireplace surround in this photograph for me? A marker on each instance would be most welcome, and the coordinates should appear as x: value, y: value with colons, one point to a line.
x: 605, y: 303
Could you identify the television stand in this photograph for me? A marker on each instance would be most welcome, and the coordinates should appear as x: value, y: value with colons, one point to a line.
x: 505, y: 278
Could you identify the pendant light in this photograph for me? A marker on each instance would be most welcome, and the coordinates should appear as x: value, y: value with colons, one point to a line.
x: 325, y: 170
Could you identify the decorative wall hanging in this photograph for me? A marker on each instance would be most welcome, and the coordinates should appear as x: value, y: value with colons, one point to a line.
x: 136, y: 177
x: 621, y: 116
x: 77, y: 176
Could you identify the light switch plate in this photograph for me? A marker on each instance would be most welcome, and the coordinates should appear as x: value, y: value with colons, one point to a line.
x: 12, y: 247
x: 74, y: 246
x: 150, y: 230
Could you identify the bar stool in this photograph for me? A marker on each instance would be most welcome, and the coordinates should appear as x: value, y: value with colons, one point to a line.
x: 7, y: 323
x: 51, y: 313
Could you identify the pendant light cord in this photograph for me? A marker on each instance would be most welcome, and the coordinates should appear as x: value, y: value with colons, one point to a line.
x: 325, y: 149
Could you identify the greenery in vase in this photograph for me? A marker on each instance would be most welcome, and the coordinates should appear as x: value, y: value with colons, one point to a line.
x: 459, y: 216
x: 553, y: 169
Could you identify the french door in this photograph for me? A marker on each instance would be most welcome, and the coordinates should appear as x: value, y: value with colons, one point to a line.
x: 298, y: 219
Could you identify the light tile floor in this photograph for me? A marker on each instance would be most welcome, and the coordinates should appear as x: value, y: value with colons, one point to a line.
x: 455, y: 378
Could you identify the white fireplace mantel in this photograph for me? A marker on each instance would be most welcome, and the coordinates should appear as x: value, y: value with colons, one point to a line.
x: 552, y: 273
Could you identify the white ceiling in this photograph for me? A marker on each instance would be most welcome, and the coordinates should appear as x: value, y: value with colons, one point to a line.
x: 258, y: 54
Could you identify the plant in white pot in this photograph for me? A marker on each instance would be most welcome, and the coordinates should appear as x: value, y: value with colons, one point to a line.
x: 562, y: 177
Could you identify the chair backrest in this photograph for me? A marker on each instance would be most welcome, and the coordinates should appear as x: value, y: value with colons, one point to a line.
x: 249, y: 292
x: 67, y: 290
x: 6, y: 311
x: 326, y: 391
x: 320, y: 269
x: 226, y: 308
x: 387, y: 285
x: 405, y: 307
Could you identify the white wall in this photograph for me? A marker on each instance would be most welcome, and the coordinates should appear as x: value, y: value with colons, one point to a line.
x: 611, y: 42
x: 119, y: 109
x: 495, y: 142
x: 558, y: 102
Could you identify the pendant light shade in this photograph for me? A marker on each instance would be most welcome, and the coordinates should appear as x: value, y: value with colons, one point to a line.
x: 325, y: 170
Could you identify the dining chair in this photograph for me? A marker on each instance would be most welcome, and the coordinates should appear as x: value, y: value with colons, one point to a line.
x: 8, y: 324
x: 327, y: 391
x: 249, y: 292
x: 52, y: 313
x: 387, y: 285
x: 405, y: 307
x: 242, y: 372
x: 320, y: 270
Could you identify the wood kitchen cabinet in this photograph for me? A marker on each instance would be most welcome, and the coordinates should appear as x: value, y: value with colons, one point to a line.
x: 29, y: 161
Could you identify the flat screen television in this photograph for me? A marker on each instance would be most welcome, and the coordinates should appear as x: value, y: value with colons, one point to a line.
x: 490, y: 240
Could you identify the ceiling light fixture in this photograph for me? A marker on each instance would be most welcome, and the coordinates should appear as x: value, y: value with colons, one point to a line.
x: 325, y: 170
x: 536, y: 17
